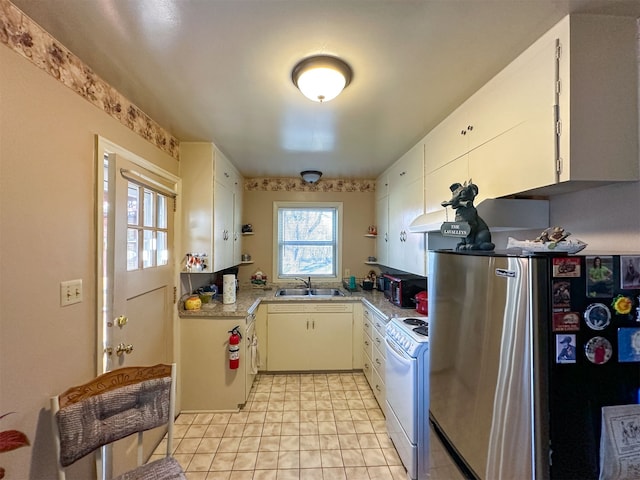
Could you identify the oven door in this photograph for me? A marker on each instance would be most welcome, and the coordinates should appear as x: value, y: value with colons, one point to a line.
x: 401, y: 380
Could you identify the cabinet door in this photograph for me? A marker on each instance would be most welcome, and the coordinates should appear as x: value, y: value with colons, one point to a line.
x: 223, y: 227
x: 196, y: 170
x: 289, y: 344
x: 413, y: 248
x: 437, y: 185
x: 447, y: 141
x: 382, y: 240
x: 331, y: 341
x: 237, y: 220
x: 522, y: 155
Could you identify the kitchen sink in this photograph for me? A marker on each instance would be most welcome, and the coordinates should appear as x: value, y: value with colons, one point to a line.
x: 327, y: 292
x: 292, y: 292
x: 314, y: 292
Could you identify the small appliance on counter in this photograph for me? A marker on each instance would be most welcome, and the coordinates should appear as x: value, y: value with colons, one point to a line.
x: 422, y: 302
x: 401, y: 289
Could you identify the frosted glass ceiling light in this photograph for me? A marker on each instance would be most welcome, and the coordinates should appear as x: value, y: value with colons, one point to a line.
x: 311, y: 176
x: 321, y: 78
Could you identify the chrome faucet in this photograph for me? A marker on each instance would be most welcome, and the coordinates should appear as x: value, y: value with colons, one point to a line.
x: 307, y: 283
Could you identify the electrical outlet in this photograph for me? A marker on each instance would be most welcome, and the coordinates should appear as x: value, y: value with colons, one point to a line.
x: 347, y: 273
x: 70, y: 292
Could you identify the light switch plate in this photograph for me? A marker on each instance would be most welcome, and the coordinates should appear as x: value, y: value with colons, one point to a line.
x: 70, y: 292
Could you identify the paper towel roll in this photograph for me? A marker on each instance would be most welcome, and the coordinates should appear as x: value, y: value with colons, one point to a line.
x: 228, y: 289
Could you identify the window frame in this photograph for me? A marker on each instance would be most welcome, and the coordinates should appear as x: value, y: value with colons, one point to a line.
x: 277, y: 278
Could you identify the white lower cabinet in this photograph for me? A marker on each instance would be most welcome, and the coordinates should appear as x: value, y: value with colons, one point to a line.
x: 206, y: 381
x: 374, y: 353
x: 309, y: 336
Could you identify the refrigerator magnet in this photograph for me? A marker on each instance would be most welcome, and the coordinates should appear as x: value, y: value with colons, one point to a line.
x: 566, y: 266
x: 561, y: 294
x: 597, y: 316
x: 598, y: 350
x: 629, y: 344
x: 566, y: 348
x: 566, y: 322
x: 622, y: 305
x: 630, y: 272
x: 599, y: 276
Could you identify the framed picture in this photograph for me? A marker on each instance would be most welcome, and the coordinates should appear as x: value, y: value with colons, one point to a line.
x: 599, y: 276
x: 566, y: 348
x: 630, y: 272
x: 629, y: 344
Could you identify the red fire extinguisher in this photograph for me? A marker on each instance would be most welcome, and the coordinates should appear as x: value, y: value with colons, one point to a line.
x: 234, y: 348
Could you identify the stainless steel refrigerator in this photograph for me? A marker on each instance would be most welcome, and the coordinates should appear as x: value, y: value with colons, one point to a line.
x: 525, y: 352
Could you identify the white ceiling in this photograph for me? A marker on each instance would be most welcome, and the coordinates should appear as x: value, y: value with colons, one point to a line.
x: 220, y: 70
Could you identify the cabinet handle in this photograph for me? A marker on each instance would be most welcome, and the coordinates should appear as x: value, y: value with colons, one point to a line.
x: 470, y: 128
x: 378, y: 361
x: 366, y: 343
x: 307, y: 324
x: 385, y: 236
x: 463, y: 132
x: 378, y: 388
x: 313, y: 324
x: 378, y: 341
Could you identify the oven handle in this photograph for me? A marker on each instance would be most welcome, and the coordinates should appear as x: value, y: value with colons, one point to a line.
x: 394, y: 350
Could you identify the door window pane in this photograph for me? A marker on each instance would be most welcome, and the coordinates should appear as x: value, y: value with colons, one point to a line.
x: 132, y: 248
x: 149, y: 204
x: 162, y: 248
x: 162, y: 211
x: 148, y: 253
x: 133, y: 204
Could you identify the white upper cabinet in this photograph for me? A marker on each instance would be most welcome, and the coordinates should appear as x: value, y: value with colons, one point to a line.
x: 562, y: 116
x: 405, y: 251
x: 212, y: 202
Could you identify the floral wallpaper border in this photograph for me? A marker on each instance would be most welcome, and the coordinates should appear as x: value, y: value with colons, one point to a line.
x: 24, y: 36
x: 293, y: 184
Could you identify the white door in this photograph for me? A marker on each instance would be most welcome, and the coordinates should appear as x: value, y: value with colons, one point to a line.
x: 138, y: 284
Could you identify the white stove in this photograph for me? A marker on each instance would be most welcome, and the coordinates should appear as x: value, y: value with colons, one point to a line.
x: 407, y: 384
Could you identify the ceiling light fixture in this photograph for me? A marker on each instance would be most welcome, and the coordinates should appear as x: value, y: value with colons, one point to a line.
x: 311, y: 176
x: 321, y: 78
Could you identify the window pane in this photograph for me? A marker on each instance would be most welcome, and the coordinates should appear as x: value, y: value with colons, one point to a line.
x: 162, y: 251
x: 148, y: 254
x: 307, y: 260
x: 162, y: 211
x: 307, y: 240
x: 133, y: 204
x: 149, y: 210
x: 132, y: 249
x: 308, y: 225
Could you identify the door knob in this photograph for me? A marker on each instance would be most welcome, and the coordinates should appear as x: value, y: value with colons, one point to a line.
x: 121, y: 321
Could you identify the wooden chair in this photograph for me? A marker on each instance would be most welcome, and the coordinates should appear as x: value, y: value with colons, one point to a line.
x: 113, y: 406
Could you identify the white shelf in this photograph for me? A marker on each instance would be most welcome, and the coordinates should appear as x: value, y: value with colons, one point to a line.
x: 246, y: 262
x: 371, y: 263
x: 247, y: 233
x: 370, y: 235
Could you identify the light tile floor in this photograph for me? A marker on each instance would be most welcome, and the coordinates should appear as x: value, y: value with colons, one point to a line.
x: 297, y: 426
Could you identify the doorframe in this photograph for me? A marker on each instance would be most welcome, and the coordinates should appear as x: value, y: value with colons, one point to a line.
x: 104, y: 145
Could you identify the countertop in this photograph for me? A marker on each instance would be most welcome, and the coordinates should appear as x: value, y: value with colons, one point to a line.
x: 248, y: 299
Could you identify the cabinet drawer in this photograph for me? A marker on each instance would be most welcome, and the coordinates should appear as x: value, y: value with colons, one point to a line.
x: 380, y: 324
x: 367, y: 368
x: 367, y: 325
x: 377, y: 385
x: 328, y: 307
x: 377, y: 341
x: 367, y: 345
x: 378, y: 362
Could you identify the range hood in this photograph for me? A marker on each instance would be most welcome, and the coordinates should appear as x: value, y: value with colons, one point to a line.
x: 500, y: 214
